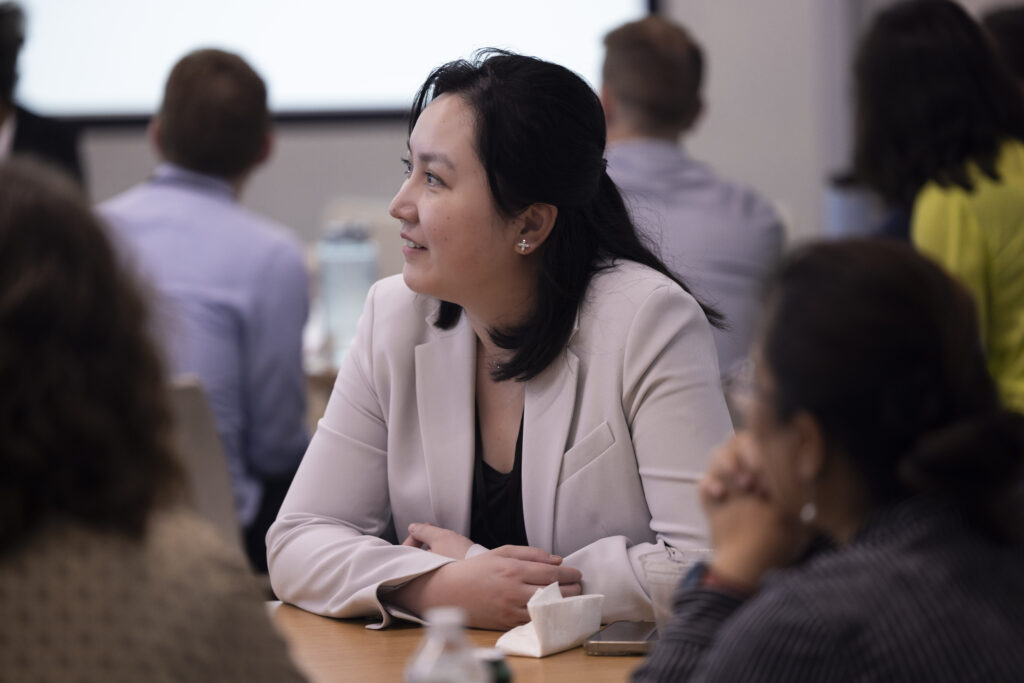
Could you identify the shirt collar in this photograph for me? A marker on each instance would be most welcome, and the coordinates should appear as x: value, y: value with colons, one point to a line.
x: 656, y: 146
x: 167, y: 173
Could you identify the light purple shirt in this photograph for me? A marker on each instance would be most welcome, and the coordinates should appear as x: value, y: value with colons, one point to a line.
x: 720, y: 238
x: 231, y: 296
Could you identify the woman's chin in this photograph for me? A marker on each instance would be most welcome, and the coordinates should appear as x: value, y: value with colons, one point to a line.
x: 415, y: 280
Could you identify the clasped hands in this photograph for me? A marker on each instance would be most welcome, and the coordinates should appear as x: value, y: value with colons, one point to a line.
x: 492, y: 587
x: 752, y: 530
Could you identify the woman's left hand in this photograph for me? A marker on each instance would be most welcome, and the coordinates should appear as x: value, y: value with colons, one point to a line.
x: 438, y: 540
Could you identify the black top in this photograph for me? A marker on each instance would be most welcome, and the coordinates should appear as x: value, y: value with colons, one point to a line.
x: 497, y: 508
x: 918, y: 595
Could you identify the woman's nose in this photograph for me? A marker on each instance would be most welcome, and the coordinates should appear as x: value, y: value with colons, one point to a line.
x: 401, y: 206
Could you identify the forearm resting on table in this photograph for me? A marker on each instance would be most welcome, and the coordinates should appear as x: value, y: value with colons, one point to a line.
x: 492, y: 587
x: 414, y: 596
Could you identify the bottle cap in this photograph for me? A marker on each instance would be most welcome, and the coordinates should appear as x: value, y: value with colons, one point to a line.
x: 489, y: 654
x: 445, y: 616
x: 347, y: 230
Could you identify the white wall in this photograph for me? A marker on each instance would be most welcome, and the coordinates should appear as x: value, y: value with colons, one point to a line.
x: 776, y: 111
x: 776, y: 119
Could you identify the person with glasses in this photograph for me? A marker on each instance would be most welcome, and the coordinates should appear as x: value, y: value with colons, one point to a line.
x: 869, y: 523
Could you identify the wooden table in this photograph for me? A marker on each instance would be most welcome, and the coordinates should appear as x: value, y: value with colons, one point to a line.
x: 330, y: 650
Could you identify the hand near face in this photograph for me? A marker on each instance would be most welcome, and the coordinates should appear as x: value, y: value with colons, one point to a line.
x: 492, y: 587
x: 751, y: 530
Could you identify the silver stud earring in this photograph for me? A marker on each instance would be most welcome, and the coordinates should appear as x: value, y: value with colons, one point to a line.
x: 523, y: 245
x: 808, y: 512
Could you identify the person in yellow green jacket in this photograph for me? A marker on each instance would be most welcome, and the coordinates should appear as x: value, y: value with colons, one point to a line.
x: 940, y: 129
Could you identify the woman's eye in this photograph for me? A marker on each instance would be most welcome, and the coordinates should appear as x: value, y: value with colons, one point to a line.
x: 429, y: 178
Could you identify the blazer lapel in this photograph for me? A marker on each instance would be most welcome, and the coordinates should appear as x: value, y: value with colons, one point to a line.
x: 445, y: 398
x: 550, y: 404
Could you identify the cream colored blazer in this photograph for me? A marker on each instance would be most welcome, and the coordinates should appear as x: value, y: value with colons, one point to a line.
x: 616, y: 433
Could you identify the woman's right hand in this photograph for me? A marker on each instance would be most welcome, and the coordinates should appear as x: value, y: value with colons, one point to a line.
x: 492, y: 587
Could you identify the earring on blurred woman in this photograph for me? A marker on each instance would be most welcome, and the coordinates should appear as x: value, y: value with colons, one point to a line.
x: 523, y: 246
x: 808, y: 512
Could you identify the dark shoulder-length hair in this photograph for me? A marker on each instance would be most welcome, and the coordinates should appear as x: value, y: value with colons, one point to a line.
x: 897, y: 379
x: 932, y: 96
x: 540, y: 134
x: 84, y: 425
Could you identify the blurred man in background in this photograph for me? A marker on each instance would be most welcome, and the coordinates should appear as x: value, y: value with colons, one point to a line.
x: 720, y: 237
x: 232, y: 286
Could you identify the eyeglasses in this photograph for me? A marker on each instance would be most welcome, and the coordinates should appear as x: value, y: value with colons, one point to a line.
x: 742, y: 389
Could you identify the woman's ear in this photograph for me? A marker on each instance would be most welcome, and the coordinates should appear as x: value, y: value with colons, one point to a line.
x: 534, y: 226
x: 809, y: 451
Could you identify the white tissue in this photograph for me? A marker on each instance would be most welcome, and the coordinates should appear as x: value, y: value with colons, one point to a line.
x: 556, y: 624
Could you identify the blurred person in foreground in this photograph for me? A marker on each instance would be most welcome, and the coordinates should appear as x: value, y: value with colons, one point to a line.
x: 232, y: 288
x: 722, y: 237
x: 531, y: 401
x: 104, y: 576
x: 880, y: 429
x: 23, y: 132
x: 940, y: 128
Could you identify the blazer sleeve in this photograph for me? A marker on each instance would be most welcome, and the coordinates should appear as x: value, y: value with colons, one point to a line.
x: 327, y: 550
x: 676, y: 413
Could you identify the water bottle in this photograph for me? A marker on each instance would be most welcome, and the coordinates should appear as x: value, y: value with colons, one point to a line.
x: 348, y: 268
x: 444, y: 655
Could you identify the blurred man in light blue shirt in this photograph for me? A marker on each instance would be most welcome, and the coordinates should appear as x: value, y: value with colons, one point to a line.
x: 231, y: 288
x: 722, y: 238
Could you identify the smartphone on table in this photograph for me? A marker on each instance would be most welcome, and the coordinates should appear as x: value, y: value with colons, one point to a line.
x: 622, y: 638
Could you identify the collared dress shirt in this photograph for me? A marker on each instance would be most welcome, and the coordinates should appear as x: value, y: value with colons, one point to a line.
x: 720, y: 238
x: 232, y: 295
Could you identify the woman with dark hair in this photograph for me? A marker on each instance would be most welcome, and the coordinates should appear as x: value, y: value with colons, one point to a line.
x: 940, y: 130
x: 880, y: 429
x: 531, y: 402
x: 103, y: 575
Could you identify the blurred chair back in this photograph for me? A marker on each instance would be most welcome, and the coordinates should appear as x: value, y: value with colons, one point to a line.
x: 202, y: 456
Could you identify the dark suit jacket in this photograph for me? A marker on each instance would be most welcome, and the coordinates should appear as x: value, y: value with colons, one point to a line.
x: 47, y: 139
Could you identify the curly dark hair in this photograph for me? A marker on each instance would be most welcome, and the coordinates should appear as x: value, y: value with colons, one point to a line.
x: 84, y: 419
x: 932, y: 96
